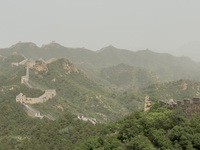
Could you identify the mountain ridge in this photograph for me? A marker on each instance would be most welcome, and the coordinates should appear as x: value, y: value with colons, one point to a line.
x: 167, y: 66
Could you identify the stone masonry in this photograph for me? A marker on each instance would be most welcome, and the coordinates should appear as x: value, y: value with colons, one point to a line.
x: 187, y: 105
x: 48, y: 94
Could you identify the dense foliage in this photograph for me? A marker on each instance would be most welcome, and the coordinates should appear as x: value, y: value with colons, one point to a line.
x: 158, y: 129
x: 18, y: 131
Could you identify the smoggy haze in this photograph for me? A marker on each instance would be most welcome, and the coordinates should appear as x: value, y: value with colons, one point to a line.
x: 160, y: 25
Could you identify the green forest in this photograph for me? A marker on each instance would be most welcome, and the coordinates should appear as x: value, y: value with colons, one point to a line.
x: 121, y: 123
x: 159, y: 128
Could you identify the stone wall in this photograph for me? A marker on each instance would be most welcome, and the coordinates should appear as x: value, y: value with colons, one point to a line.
x: 48, y: 94
x: 187, y: 105
x: 92, y: 120
x: 190, y: 106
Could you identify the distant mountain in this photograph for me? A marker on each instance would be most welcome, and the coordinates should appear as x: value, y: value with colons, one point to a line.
x: 113, y: 56
x: 168, y: 67
x: 52, y: 50
x: 191, y: 49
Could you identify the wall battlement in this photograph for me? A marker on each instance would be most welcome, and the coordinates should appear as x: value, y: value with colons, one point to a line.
x: 188, y: 106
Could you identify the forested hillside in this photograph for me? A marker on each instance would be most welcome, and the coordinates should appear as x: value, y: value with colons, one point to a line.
x: 158, y: 129
x: 172, y: 90
x: 115, y: 92
x: 76, y: 93
x: 128, y: 77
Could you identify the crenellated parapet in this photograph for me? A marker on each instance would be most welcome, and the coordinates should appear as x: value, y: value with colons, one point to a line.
x: 190, y: 106
x: 187, y: 105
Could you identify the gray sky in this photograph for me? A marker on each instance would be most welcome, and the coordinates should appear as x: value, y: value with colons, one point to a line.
x: 159, y: 25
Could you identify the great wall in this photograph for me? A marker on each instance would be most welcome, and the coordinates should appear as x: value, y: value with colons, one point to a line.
x: 48, y: 93
x: 189, y: 106
x: 83, y: 118
x: 35, y: 113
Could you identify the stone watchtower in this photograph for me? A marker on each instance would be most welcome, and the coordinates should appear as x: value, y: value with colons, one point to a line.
x: 147, y: 103
x: 21, y: 98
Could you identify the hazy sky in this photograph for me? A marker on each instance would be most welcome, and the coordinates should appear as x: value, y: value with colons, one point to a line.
x: 93, y: 24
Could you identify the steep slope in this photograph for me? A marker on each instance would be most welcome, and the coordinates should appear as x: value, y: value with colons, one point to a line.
x: 172, y: 90
x: 126, y: 76
x: 75, y: 92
